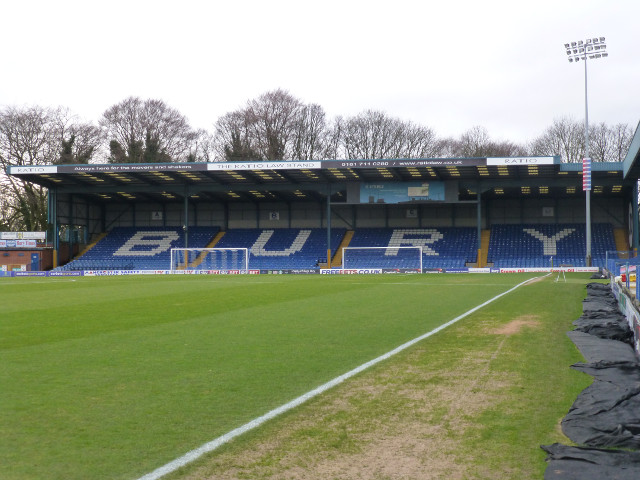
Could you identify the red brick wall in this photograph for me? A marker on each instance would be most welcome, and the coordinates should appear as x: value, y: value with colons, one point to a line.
x: 46, y: 256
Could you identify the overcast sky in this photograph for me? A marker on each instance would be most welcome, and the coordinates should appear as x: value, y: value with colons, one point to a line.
x: 447, y: 65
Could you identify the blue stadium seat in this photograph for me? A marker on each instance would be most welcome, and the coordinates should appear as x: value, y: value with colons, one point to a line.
x: 533, y: 245
x: 140, y: 248
x: 283, y: 248
x: 443, y: 247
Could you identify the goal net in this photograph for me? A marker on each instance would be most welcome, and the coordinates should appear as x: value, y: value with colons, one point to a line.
x: 209, y: 259
x: 408, y: 258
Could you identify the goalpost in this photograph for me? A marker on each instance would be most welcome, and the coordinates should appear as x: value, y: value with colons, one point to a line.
x: 407, y: 257
x: 209, y: 259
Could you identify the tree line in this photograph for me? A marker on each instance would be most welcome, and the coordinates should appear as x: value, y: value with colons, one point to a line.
x: 274, y: 126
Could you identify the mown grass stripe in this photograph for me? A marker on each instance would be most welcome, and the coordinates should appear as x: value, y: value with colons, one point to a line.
x: 208, y: 447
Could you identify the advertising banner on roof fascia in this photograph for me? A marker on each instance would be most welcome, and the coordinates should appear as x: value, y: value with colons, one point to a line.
x: 498, y: 161
x: 31, y: 169
x: 132, y: 167
x: 431, y: 162
x: 284, y: 165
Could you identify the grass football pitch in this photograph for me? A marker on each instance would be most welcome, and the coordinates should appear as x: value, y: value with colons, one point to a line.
x: 113, y: 377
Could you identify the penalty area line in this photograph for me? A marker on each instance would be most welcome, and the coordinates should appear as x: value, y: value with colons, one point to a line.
x: 227, y: 437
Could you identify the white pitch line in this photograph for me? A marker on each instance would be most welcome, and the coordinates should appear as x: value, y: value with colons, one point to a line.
x: 227, y: 437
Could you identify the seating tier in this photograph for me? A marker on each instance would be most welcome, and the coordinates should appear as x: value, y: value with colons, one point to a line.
x: 144, y: 248
x: 285, y: 248
x: 443, y: 247
x: 533, y: 245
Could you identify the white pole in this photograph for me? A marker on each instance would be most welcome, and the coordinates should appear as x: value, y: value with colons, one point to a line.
x: 586, y: 137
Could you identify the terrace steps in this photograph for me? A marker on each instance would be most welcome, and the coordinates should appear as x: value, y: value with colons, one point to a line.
x: 336, y: 261
x: 92, y: 244
x: 485, y: 237
x: 211, y: 244
x: 622, y: 239
x: 216, y: 239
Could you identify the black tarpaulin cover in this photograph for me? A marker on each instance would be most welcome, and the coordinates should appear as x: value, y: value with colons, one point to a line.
x: 595, y: 349
x: 579, y: 463
x: 606, y: 414
x: 599, y: 304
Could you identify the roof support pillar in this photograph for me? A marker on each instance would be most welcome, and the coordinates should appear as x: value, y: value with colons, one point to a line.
x: 53, y: 219
x: 479, y: 229
x: 185, y: 227
x: 328, y: 225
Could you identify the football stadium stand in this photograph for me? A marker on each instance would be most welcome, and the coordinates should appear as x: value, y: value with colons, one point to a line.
x: 523, y: 245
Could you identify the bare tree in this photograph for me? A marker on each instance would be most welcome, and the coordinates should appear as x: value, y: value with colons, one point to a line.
x: 332, y: 143
x: 80, y: 141
x: 274, y: 126
x: 621, y: 135
x: 476, y: 142
x: 27, y: 137
x: 38, y: 136
x: 5, y: 206
x: 202, y: 147
x: 373, y: 134
x: 273, y: 118
x: 233, y: 139
x: 609, y: 144
x: 421, y: 142
x: 309, y: 133
x: 565, y: 138
x: 147, y: 131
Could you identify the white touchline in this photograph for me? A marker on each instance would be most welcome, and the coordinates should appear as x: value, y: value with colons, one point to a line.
x: 256, y: 422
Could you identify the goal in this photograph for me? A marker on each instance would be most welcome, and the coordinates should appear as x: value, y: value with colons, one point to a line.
x: 406, y: 258
x: 209, y: 259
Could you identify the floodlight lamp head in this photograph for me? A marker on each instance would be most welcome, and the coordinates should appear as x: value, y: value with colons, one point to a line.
x: 567, y: 45
x: 602, y: 39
